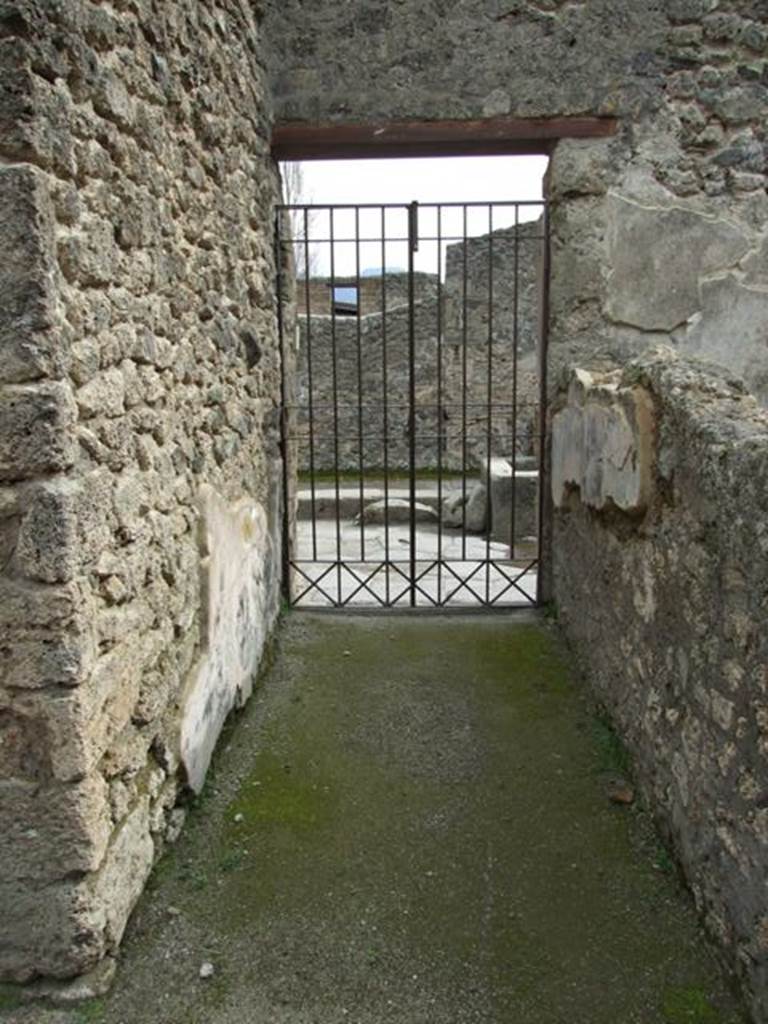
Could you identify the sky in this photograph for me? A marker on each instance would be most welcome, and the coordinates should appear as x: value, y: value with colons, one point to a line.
x: 493, y: 179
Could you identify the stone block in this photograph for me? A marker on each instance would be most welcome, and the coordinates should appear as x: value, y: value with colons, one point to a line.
x: 524, y: 497
x: 72, y: 820
x: 36, y: 430
x: 658, y: 256
x: 89, y: 258
x: 47, y: 543
x: 67, y: 732
x: 579, y: 167
x: 44, y: 661
x: 602, y: 444
x: 103, y: 395
x: 124, y: 872
x: 30, y: 345
x: 55, y: 930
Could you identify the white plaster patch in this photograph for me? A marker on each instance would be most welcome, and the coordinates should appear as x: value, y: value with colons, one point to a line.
x: 240, y: 595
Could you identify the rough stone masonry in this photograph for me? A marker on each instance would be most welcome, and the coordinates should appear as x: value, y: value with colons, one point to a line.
x: 140, y: 389
x: 139, y: 469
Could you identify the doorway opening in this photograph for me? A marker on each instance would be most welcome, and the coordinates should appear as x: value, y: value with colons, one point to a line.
x: 415, y: 337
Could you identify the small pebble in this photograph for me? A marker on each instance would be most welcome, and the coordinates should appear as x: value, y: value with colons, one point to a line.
x: 207, y: 969
x: 347, y: 654
x: 173, y: 911
x: 239, y: 817
x: 620, y: 792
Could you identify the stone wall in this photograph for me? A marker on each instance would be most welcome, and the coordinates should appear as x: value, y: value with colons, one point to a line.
x: 660, y: 480
x: 685, y: 173
x: 139, y: 464
x: 452, y: 393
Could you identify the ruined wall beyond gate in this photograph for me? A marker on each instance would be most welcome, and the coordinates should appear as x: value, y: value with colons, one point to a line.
x: 486, y: 317
x: 139, y: 467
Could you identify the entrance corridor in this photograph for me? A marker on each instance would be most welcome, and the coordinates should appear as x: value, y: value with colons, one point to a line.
x: 413, y: 823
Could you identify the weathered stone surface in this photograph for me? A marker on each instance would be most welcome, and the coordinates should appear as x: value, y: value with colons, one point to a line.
x: 36, y: 423
x: 28, y: 341
x: 124, y: 873
x: 602, y: 444
x: 135, y: 255
x: 75, y: 818
x: 240, y: 563
x: 733, y: 329
x: 672, y: 637
x: 658, y: 256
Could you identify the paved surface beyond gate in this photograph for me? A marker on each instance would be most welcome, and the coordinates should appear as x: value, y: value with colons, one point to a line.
x: 411, y: 824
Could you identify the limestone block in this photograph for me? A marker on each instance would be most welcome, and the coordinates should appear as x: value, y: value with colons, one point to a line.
x: 103, y: 395
x: 602, y: 444
x: 90, y: 257
x: 28, y: 342
x: 46, y: 548
x: 37, y: 662
x: 124, y: 872
x: 658, y: 256
x: 72, y: 820
x: 55, y: 930
x: 579, y: 167
x: 239, y: 580
x: 69, y: 731
x: 36, y: 430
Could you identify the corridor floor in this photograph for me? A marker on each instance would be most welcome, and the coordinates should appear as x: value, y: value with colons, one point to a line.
x: 411, y: 823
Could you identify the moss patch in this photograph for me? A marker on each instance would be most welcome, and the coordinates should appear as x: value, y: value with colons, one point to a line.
x: 689, y: 1006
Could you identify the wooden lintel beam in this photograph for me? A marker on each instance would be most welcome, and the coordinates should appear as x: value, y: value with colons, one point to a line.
x: 303, y: 141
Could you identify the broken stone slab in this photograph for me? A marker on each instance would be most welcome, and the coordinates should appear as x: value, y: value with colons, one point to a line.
x: 397, y: 510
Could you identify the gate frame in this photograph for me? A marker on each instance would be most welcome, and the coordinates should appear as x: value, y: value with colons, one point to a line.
x: 304, y: 141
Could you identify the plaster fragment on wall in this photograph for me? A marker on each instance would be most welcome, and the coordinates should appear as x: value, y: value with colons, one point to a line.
x: 659, y: 256
x: 602, y: 442
x: 240, y: 587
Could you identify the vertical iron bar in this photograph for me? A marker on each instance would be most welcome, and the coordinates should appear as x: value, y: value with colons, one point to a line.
x: 464, y: 391
x: 515, y: 343
x: 284, y: 443
x: 439, y: 405
x: 544, y: 346
x: 384, y: 375
x: 413, y: 244
x: 489, y: 426
x: 335, y: 387
x: 311, y: 408
x: 361, y: 458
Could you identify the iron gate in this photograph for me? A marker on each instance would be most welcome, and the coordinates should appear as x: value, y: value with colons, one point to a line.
x: 414, y: 375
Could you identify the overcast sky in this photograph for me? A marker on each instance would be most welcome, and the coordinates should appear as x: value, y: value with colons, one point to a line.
x: 497, y: 179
